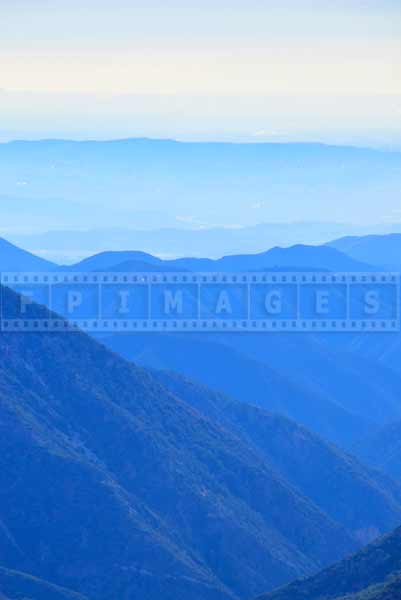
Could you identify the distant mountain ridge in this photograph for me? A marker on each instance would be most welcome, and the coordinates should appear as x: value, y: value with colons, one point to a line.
x: 296, y: 257
x: 186, y: 239
x: 206, y: 182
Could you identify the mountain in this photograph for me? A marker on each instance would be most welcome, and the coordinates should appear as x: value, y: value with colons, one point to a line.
x: 374, y: 573
x: 106, y: 261
x: 303, y: 362
x: 159, y: 238
x: 296, y: 257
x: 361, y: 499
x: 20, y: 586
x: 115, y: 487
x: 383, y: 449
x: 130, y: 262
x: 207, y: 184
x: 13, y: 258
x: 382, y: 251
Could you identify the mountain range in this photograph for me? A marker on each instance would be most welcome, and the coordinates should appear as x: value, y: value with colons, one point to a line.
x: 298, y: 257
x: 352, y: 253
x: 132, y: 483
x: 169, y: 240
x: 207, y: 184
x: 268, y: 371
x: 120, y: 489
x: 291, y: 375
x: 145, y: 461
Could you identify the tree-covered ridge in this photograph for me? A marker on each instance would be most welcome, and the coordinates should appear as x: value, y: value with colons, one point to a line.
x: 390, y: 590
x: 118, y: 484
x: 374, y: 573
x: 113, y: 486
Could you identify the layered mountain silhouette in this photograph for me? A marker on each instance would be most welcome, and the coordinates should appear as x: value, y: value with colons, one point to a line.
x: 296, y: 257
x: 218, y: 183
x: 333, y: 365
x: 293, y: 375
x: 323, y: 374
x: 118, y: 487
x: 165, y: 238
x: 114, y: 487
x: 372, y: 574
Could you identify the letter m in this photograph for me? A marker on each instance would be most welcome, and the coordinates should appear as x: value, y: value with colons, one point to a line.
x: 172, y: 302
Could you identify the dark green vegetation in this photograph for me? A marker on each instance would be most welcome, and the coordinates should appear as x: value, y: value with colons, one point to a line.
x: 372, y: 574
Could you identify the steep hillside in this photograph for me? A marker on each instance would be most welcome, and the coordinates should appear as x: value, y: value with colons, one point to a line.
x: 390, y: 590
x: 13, y: 258
x: 373, y: 573
x: 362, y: 499
x: 114, y: 487
x: 324, y: 388
x: 326, y: 364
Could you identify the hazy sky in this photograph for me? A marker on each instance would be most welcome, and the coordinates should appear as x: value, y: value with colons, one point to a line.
x: 323, y: 69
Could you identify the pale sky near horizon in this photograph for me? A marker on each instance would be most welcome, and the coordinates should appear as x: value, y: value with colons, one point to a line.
x: 337, y: 64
